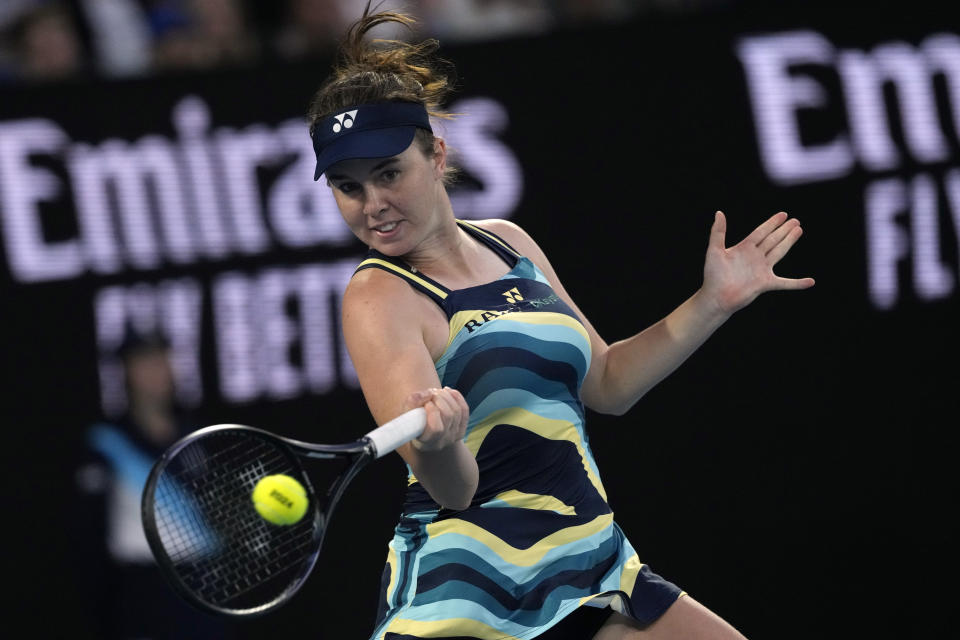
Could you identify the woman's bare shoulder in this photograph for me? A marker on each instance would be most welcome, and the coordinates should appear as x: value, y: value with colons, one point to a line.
x: 509, y: 231
x: 379, y: 295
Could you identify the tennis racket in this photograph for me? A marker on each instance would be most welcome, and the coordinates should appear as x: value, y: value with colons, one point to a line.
x: 211, y: 544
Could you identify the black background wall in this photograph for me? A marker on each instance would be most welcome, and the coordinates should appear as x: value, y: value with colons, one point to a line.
x: 797, y: 474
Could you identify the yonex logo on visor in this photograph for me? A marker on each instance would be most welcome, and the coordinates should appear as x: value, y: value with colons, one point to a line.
x: 344, y: 120
x: 377, y: 130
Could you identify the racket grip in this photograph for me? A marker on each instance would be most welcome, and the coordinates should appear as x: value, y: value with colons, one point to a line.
x: 398, y: 431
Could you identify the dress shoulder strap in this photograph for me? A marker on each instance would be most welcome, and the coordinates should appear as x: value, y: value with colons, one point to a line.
x: 422, y: 283
x: 497, y: 244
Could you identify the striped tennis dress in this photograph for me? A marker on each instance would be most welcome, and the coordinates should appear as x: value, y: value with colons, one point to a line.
x: 538, y: 539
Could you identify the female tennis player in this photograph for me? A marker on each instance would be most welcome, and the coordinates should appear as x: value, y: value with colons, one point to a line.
x: 506, y: 531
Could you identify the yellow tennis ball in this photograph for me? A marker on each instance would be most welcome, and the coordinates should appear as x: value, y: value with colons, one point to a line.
x: 280, y: 499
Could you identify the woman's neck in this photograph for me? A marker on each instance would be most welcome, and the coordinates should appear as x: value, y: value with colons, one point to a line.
x: 455, y: 259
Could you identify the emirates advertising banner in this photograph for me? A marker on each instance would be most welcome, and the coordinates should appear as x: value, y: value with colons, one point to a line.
x: 185, y: 204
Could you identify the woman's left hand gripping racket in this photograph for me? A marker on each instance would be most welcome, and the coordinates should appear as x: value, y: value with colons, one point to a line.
x: 211, y: 543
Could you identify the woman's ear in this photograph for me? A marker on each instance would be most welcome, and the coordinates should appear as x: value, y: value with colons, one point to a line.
x: 439, y: 157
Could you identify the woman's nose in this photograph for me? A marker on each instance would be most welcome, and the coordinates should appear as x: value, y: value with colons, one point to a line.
x: 373, y: 203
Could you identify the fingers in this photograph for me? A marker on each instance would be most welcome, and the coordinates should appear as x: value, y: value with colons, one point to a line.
x: 776, y: 236
x: 778, y: 243
x: 446, y: 407
x: 447, y: 417
x: 758, y: 235
x: 794, y: 283
x: 464, y: 407
x: 417, y: 399
x: 718, y: 232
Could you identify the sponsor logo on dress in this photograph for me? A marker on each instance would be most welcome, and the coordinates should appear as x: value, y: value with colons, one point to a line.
x: 512, y: 296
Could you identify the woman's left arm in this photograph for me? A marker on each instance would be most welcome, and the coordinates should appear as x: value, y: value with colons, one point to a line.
x: 622, y: 372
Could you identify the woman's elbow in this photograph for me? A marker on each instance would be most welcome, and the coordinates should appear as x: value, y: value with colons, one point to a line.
x: 457, y: 500
x: 610, y: 406
x: 614, y: 410
x: 456, y: 506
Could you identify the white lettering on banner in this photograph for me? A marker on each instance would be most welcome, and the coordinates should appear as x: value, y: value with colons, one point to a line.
x: 172, y: 307
x: 893, y: 239
x: 932, y: 279
x: 156, y: 201
x: 303, y: 212
x: 241, y: 153
x: 132, y: 175
x: 778, y: 94
x: 904, y: 221
x: 257, y: 336
x: 23, y: 187
x: 191, y: 118
x: 275, y: 332
x: 477, y: 150
x: 887, y: 242
x: 266, y: 351
x: 864, y: 76
x: 943, y: 54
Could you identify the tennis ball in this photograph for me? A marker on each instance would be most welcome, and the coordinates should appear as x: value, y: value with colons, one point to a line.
x: 280, y: 499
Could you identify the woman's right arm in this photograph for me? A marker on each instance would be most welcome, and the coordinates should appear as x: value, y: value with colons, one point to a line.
x: 383, y: 324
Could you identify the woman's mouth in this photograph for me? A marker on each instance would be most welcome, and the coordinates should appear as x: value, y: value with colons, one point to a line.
x: 386, y: 227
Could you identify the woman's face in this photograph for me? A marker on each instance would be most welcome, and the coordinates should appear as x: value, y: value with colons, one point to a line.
x: 391, y: 204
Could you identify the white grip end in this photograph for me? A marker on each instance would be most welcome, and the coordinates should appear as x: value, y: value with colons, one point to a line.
x: 398, y: 431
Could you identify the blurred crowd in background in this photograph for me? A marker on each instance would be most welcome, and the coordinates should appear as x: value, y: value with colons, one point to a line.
x: 44, y: 40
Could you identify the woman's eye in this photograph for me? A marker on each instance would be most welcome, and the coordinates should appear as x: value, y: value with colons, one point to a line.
x: 347, y: 187
x: 390, y: 175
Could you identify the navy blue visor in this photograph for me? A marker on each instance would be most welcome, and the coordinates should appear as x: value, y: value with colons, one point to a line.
x: 377, y: 130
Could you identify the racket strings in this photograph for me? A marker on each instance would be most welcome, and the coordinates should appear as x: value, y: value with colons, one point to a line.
x: 219, y: 546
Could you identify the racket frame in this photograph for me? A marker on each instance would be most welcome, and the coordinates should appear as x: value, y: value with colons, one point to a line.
x: 357, y: 454
x: 375, y: 444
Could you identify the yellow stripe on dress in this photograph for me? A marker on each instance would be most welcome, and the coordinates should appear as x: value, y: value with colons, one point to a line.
x: 550, y: 428
x: 460, y: 319
x: 444, y: 629
x: 405, y: 273
x: 392, y: 561
x: 628, y: 575
x: 628, y: 579
x: 512, y: 555
x: 535, y: 501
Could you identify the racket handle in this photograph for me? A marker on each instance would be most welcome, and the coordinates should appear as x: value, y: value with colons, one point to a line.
x: 398, y: 431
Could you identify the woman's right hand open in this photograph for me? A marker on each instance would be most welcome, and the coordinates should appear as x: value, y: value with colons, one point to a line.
x: 447, y: 415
